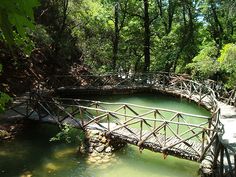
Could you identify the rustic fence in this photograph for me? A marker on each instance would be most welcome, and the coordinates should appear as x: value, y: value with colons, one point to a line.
x: 162, y: 80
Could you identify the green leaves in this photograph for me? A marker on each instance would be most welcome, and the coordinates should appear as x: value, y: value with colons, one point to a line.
x: 69, y: 135
x: 228, y: 63
x: 4, y: 99
x: 204, y: 65
x: 5, y: 26
x: 16, y: 14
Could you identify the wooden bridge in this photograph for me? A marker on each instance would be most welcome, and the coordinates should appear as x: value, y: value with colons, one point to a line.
x: 161, y: 130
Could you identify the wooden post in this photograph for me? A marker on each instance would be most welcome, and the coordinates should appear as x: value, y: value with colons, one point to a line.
x: 229, y: 162
x: 203, y: 141
x: 96, y: 108
x: 108, y: 121
x: 155, y: 117
x: 190, y: 91
x: 141, y: 130
x: 200, y: 94
x: 27, y: 109
x: 234, y: 164
x: 125, y: 112
x: 81, y: 116
x: 210, y: 133
x: 221, y: 160
x: 178, y: 125
x: 165, y: 135
x: 216, y: 152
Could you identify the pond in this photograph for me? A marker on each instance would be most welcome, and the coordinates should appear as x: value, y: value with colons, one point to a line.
x: 32, y: 154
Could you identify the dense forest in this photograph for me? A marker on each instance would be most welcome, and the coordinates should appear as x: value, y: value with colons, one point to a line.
x: 42, y: 38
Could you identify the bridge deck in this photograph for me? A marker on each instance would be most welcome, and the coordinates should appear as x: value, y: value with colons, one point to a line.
x: 186, y: 150
x: 155, y: 143
x: 167, y: 83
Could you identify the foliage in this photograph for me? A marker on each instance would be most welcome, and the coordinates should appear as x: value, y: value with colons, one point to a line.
x: 4, y: 98
x: 16, y: 14
x: 209, y: 63
x: 205, y: 64
x: 94, y: 29
x: 182, y: 35
x: 227, y: 62
x: 69, y: 135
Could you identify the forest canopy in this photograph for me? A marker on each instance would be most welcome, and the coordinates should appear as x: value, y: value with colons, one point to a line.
x: 41, y: 38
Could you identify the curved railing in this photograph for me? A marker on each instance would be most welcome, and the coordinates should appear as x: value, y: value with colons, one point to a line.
x: 153, y: 124
x: 154, y: 119
x: 160, y: 79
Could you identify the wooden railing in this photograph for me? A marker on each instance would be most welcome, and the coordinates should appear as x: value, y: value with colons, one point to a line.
x: 153, y: 123
x: 160, y: 125
x: 161, y: 80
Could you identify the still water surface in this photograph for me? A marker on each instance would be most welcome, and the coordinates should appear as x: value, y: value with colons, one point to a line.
x: 31, y: 153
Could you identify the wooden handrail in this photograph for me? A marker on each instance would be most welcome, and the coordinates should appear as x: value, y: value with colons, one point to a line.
x: 154, y: 119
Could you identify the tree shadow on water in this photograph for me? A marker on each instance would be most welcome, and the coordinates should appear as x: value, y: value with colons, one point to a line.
x: 27, y: 152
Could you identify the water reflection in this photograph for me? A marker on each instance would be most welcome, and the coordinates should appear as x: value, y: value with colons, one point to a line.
x: 31, y: 153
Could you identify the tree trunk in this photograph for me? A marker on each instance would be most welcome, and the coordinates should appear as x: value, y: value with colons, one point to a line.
x: 146, y: 37
x: 116, y: 37
x: 171, y: 9
x: 217, y: 27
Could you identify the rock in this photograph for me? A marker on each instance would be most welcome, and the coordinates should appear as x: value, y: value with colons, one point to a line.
x: 94, y: 132
x: 100, y: 144
x: 90, y: 149
x: 94, y: 154
x: 4, y: 134
x: 94, y: 140
x: 103, y: 140
x: 98, y: 158
x: 91, y: 159
x: 109, y: 154
x: 100, y: 148
x: 105, y: 160
x: 108, y: 149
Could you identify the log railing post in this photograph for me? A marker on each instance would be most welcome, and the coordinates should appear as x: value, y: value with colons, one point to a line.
x: 155, y: 117
x: 125, y: 111
x: 234, y: 164
x: 203, y: 141
x: 81, y: 116
x: 229, y: 162
x: 165, y: 134
x: 200, y: 94
x: 177, y: 128
x: 96, y: 105
x: 190, y: 90
x: 141, y: 130
x: 221, y: 160
x: 108, y: 122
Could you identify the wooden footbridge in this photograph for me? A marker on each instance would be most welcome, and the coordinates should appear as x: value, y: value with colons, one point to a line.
x: 160, y: 130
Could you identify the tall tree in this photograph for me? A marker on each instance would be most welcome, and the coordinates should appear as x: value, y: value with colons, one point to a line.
x: 116, y: 35
x: 216, y: 26
x: 146, y: 36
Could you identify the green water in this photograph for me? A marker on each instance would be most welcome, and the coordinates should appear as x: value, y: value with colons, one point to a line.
x: 31, y: 153
x: 157, y: 100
